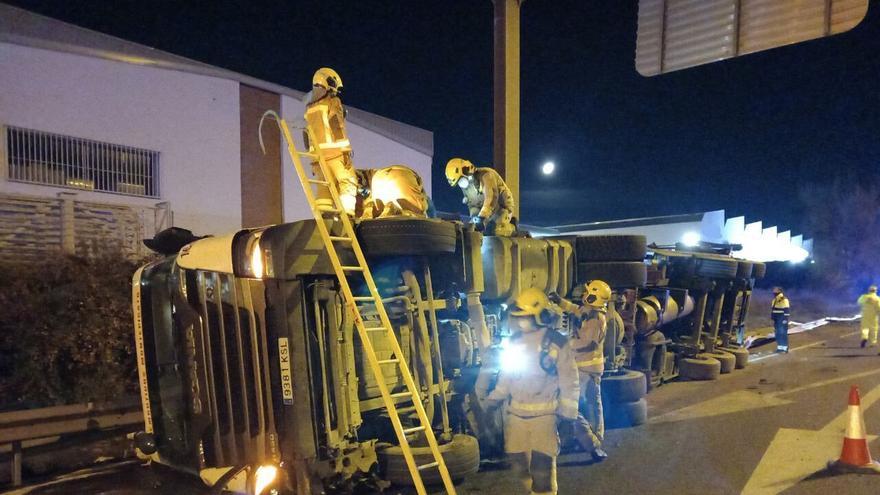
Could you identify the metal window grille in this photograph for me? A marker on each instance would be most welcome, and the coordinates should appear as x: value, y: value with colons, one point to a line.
x: 57, y: 160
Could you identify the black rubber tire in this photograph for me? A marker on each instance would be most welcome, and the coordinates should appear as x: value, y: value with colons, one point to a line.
x: 406, y: 236
x: 759, y: 270
x: 699, y: 368
x: 462, y: 457
x: 744, y: 269
x: 741, y: 355
x: 628, y: 386
x: 715, y: 266
x: 617, y: 274
x: 727, y: 360
x: 625, y: 414
x: 611, y: 248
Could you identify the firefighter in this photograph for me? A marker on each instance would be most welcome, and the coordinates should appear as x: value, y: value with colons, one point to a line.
x: 780, y: 313
x: 870, y: 305
x: 539, y: 383
x: 325, y: 120
x: 588, y: 343
x: 489, y: 200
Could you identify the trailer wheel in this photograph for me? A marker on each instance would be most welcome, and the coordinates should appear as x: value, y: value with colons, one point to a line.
x: 715, y: 266
x: 611, y: 248
x: 727, y: 360
x: 617, y: 274
x: 406, y: 236
x: 701, y: 367
x: 625, y: 414
x: 744, y: 269
x: 759, y: 270
x: 628, y: 386
x: 461, y: 455
x: 741, y: 355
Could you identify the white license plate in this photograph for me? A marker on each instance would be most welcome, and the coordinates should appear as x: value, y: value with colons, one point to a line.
x: 286, y: 375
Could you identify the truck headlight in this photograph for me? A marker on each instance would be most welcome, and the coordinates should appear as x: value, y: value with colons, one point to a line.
x: 264, y: 477
x: 249, y: 260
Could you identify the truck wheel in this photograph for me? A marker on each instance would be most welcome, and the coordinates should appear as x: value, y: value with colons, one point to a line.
x: 727, y: 360
x: 611, y: 248
x: 759, y: 270
x: 744, y: 269
x: 617, y: 274
x: 628, y: 386
x: 715, y: 266
x: 699, y: 368
x: 406, y: 236
x: 741, y: 355
x: 462, y: 457
x: 625, y: 414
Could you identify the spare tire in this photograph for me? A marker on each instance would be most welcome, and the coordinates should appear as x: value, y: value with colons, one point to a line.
x: 744, y: 269
x: 611, y: 248
x: 741, y: 355
x: 625, y: 414
x: 759, y: 269
x: 727, y: 360
x: 461, y: 455
x: 617, y: 274
x: 699, y: 368
x: 406, y: 236
x: 715, y: 266
x: 628, y: 386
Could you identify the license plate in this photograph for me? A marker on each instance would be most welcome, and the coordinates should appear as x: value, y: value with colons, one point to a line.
x: 286, y: 375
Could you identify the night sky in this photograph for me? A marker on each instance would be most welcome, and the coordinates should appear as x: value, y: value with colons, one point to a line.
x: 743, y: 134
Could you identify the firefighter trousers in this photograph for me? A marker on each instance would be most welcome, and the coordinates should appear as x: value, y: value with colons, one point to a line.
x: 537, y: 470
x: 591, y: 401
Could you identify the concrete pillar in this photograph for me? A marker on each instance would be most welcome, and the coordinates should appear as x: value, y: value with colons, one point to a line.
x: 505, y: 149
x: 68, y: 229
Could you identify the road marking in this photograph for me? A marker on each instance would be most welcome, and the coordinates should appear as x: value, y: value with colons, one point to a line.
x: 731, y: 403
x: 795, y: 454
x: 806, y: 346
x: 827, y: 382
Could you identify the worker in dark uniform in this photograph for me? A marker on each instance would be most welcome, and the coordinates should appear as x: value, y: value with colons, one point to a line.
x: 780, y: 313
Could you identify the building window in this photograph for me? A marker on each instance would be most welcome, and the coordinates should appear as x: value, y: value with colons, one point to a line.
x: 45, y: 158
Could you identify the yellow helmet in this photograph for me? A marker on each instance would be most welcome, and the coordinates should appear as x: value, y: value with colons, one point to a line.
x: 328, y: 79
x: 533, y: 302
x: 597, y: 294
x: 458, y: 168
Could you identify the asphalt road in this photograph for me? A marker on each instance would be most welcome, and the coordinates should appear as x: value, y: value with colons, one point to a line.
x: 769, y: 428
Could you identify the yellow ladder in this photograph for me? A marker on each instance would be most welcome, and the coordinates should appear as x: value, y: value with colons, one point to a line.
x: 362, y: 269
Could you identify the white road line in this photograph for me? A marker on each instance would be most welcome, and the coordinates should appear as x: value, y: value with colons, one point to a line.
x: 814, y: 344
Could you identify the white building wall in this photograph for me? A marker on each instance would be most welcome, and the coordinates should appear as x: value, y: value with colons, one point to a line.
x: 192, y: 120
x: 371, y: 150
x: 662, y: 234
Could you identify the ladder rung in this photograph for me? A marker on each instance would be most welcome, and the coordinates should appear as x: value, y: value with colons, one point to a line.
x: 389, y: 361
x: 363, y: 299
x: 328, y: 209
x: 428, y: 466
x: 354, y: 269
x: 307, y: 154
x: 400, y: 395
x: 375, y: 329
x: 339, y: 238
x: 406, y: 410
x: 319, y: 181
x: 414, y: 429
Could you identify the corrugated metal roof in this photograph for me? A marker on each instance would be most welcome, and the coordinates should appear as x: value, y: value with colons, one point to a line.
x: 675, y: 34
x: 22, y: 27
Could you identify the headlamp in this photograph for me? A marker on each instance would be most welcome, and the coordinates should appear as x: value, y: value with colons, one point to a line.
x: 512, y: 356
x: 249, y: 260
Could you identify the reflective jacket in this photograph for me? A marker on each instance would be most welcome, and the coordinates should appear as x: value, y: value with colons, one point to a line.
x: 325, y: 118
x: 780, y: 309
x: 531, y: 389
x: 870, y: 304
x: 488, y: 194
x: 588, y: 341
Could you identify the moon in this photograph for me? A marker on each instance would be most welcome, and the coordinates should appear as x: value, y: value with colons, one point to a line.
x: 548, y: 168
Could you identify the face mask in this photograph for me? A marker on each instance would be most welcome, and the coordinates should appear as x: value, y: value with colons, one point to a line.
x: 463, y: 182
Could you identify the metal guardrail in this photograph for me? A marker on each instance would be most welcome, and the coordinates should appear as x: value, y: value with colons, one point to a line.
x: 17, y: 427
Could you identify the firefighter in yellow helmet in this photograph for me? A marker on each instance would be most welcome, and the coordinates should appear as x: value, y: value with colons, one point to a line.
x: 486, y: 195
x: 538, y: 382
x: 588, y: 343
x: 325, y: 120
x: 870, y: 304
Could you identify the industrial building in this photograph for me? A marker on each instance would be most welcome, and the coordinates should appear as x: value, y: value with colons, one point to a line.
x: 105, y: 140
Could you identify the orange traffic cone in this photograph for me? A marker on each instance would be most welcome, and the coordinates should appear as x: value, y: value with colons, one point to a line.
x: 855, y: 456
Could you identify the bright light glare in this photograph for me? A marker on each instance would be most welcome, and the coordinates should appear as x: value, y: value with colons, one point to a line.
x: 385, y: 188
x: 512, y: 356
x: 690, y: 239
x: 257, y: 260
x: 548, y: 168
x: 264, y: 477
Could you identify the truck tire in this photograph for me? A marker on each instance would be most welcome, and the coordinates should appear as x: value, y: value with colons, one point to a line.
x: 715, y: 266
x: 611, y: 248
x: 741, y: 355
x: 628, y: 386
x: 462, y: 457
x: 744, y: 269
x: 406, y: 236
x: 701, y: 367
x: 617, y: 274
x: 727, y: 360
x: 759, y: 270
x: 625, y: 414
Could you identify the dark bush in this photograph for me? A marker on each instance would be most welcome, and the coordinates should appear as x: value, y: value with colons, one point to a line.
x: 66, y: 331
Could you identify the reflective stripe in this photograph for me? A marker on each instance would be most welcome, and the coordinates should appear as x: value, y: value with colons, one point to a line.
x: 534, y: 407
x: 344, y: 143
x: 568, y: 403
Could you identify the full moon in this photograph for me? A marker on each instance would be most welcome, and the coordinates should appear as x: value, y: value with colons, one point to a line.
x: 547, y: 168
